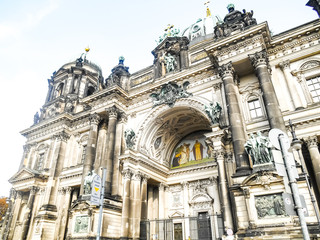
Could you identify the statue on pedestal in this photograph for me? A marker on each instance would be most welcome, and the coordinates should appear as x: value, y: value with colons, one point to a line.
x: 259, y: 149
x: 88, y: 182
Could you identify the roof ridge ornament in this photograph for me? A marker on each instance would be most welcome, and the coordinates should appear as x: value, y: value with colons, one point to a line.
x: 169, y: 31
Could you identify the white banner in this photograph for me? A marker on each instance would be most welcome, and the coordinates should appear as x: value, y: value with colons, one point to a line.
x: 96, y: 190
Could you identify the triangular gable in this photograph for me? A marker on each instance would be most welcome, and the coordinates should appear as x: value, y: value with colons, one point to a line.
x: 23, y: 174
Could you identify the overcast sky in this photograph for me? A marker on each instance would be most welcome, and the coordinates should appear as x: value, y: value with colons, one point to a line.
x: 38, y: 36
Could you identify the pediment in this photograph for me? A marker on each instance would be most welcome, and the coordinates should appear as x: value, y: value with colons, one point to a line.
x: 201, y: 198
x: 177, y: 214
x: 24, y: 174
x: 263, y: 178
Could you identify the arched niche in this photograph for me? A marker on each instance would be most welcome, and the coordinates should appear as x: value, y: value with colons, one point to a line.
x: 164, y: 128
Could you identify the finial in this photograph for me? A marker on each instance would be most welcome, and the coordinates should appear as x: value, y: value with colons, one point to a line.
x: 208, y: 10
x: 231, y: 5
x: 121, y: 60
x: 87, y: 49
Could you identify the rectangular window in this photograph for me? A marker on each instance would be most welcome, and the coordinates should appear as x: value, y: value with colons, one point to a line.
x: 40, y: 162
x: 255, y: 108
x: 314, y: 88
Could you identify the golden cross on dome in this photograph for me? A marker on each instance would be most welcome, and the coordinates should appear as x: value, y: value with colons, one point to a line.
x: 169, y: 27
x: 208, y: 10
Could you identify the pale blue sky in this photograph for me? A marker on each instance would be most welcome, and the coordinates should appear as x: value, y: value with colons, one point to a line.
x: 38, y: 37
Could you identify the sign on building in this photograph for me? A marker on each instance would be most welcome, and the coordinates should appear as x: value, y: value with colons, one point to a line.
x: 96, y: 190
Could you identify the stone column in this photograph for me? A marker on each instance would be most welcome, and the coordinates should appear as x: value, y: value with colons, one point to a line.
x: 185, y: 187
x: 184, y: 55
x: 144, y: 200
x: 27, y: 214
x: 226, y: 207
x: 312, y: 143
x: 14, y: 217
x: 246, y: 194
x: 101, y: 148
x: 161, y: 200
x: 150, y: 209
x: 226, y: 72
x: 57, y: 163
x: 117, y: 152
x: 91, y: 148
x: 65, y: 211
x: 113, y: 114
x: 26, y: 150
x: 136, y: 205
x: 295, y: 97
x: 260, y: 62
x: 125, y: 204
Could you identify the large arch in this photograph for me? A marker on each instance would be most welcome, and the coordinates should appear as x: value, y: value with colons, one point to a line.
x: 164, y: 127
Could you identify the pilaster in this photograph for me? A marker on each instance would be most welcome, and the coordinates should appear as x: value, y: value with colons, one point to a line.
x: 295, y: 97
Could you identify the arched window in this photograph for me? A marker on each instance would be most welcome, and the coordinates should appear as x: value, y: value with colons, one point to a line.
x: 90, y: 90
x: 59, y: 90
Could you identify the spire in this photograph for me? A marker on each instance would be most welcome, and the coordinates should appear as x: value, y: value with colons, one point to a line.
x: 208, y: 10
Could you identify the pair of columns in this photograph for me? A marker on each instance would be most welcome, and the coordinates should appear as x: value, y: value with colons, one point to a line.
x: 226, y: 71
x: 107, y: 158
x: 134, y: 203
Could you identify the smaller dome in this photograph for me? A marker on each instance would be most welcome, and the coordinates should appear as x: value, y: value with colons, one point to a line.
x: 201, y: 28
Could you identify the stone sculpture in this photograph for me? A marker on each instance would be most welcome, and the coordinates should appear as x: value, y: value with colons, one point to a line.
x: 234, y: 20
x: 88, y: 182
x: 36, y: 118
x: 169, y: 93
x: 213, y: 112
x: 129, y: 136
x: 259, y: 149
x: 170, y: 62
x: 270, y: 205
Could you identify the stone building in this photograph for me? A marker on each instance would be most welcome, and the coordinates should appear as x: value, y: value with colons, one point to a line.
x: 185, y: 142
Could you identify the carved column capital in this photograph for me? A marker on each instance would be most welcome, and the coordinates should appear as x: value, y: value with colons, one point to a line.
x: 26, y: 148
x: 312, y: 142
x: 220, y: 154
x: 162, y: 186
x: 185, y: 184
x: 217, y: 86
x: 123, y: 117
x: 61, y: 191
x: 19, y: 194
x: 259, y: 59
x: 136, y: 176
x: 33, y: 190
x: 61, y: 136
x: 285, y: 64
x: 213, y: 180
x: 226, y: 69
x: 68, y: 189
x: 94, y: 118
x: 145, y: 178
x: 127, y: 173
x: 113, y: 112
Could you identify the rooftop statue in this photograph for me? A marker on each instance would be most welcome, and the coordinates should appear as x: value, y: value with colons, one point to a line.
x: 234, y: 20
x: 170, y: 31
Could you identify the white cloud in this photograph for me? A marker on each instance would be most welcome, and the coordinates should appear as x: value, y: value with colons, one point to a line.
x: 16, y: 28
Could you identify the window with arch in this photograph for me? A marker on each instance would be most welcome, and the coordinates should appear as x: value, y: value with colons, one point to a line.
x: 255, y: 109
x: 41, y: 153
x: 59, y: 90
x: 314, y: 88
x: 90, y: 90
x: 308, y: 75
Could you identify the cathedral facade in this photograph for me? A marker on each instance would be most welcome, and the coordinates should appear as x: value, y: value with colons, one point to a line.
x: 186, y: 142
